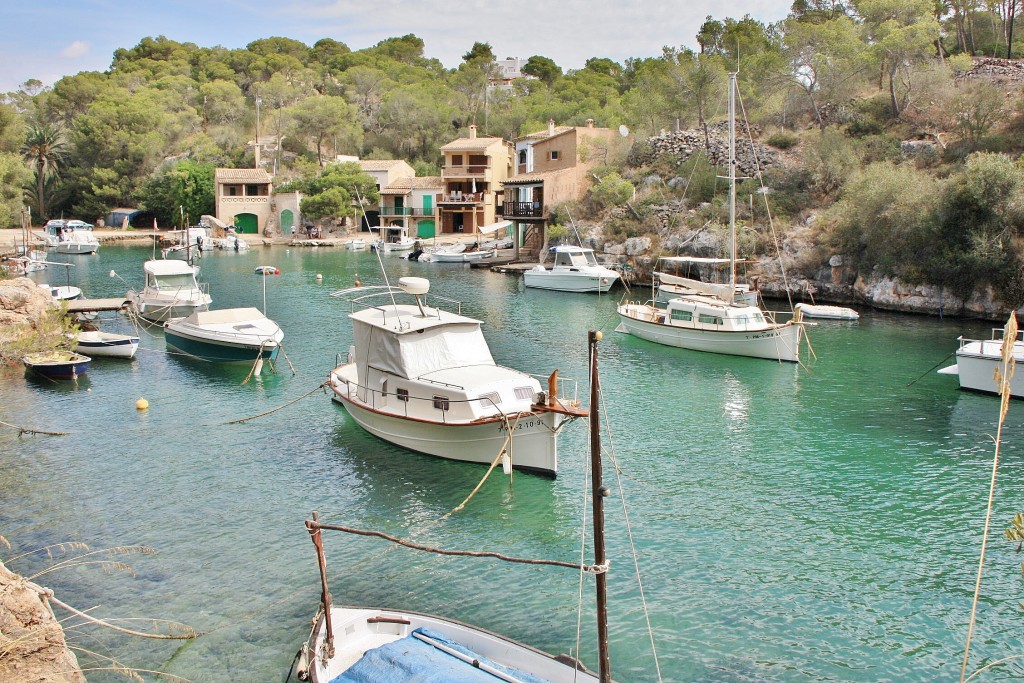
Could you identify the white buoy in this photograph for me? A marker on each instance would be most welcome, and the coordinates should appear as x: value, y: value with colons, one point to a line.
x: 113, y: 274
x: 319, y: 277
x: 506, y: 463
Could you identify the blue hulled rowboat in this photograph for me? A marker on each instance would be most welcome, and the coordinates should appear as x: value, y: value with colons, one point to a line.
x: 57, y: 364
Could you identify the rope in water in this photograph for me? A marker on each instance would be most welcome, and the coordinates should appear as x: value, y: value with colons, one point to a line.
x: 29, y: 430
x: 274, y: 410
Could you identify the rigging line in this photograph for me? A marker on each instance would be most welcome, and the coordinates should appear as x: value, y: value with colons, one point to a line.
x: 583, y: 549
x: 1004, y: 404
x: 926, y: 372
x: 464, y: 553
x: 764, y: 195
x: 629, y: 533
x: 274, y: 410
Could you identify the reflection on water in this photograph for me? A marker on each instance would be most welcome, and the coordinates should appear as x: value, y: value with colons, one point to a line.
x: 792, y: 523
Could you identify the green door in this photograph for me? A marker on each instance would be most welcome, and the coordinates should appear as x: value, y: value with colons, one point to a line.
x: 247, y: 222
x: 425, y: 229
x: 287, y: 221
x: 428, y: 204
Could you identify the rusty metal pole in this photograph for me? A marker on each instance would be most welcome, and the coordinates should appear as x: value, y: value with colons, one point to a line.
x: 325, y: 597
x: 600, y: 491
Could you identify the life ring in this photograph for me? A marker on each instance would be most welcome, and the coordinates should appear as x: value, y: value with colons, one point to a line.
x: 267, y: 270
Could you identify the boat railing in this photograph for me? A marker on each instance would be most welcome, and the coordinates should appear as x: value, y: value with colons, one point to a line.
x: 365, y: 297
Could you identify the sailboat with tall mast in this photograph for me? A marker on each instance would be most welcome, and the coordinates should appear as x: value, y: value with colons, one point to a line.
x: 715, y: 319
x: 361, y: 645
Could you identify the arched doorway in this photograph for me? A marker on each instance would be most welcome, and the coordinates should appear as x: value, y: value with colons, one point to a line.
x: 247, y: 222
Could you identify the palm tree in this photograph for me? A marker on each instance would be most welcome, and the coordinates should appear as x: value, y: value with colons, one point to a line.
x: 45, y: 151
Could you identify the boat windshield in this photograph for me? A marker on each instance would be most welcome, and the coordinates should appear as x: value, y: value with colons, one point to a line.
x: 173, y: 282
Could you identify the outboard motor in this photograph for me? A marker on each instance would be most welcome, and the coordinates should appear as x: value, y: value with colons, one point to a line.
x: 415, y: 255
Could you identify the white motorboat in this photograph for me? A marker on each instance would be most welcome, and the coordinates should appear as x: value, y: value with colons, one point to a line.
x: 394, y: 238
x: 170, y: 291
x: 423, y: 378
x: 106, y: 344
x: 62, y: 292
x: 370, y: 644
x: 455, y: 253
x: 228, y: 335
x: 52, y: 231
x: 575, y: 269
x: 712, y: 320
x: 977, y: 361
x: 355, y: 244
x: 76, y: 238
x: 827, y: 312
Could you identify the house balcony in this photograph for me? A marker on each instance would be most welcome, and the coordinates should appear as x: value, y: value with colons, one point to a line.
x: 467, y: 199
x: 522, y: 210
x: 467, y: 173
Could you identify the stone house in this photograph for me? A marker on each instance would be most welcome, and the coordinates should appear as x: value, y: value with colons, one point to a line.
x: 472, y: 177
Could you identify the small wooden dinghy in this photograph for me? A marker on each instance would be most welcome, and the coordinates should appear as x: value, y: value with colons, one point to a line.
x: 57, y: 364
x: 108, y: 344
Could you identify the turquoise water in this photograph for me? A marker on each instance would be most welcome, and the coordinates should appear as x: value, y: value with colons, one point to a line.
x: 791, y: 524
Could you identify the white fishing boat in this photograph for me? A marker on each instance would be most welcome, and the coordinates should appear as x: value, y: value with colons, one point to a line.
x: 52, y: 231
x: 96, y: 343
x: 455, y: 253
x: 423, y: 378
x: 713, y: 321
x: 394, y: 238
x: 62, y: 292
x: 370, y: 644
x: 171, y: 290
x: 827, y: 312
x: 356, y: 244
x: 575, y: 269
x: 76, y: 238
x: 227, y: 335
x: 231, y: 242
x: 978, y: 359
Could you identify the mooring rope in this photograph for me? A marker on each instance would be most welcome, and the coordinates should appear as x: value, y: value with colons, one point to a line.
x: 274, y: 410
x: 29, y: 430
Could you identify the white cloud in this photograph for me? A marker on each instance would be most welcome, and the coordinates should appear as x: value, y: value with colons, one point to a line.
x: 78, y: 48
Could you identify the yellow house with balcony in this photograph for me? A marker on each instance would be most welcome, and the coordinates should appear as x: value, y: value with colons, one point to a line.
x: 474, y: 169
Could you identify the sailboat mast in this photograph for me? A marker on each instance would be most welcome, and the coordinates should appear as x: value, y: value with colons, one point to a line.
x: 600, y: 491
x: 732, y: 180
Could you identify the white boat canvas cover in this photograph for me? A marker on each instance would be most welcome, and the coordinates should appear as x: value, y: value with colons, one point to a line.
x: 422, y: 345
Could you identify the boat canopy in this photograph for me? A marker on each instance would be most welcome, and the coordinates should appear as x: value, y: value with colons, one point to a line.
x: 168, y: 267
x: 494, y: 227
x: 225, y: 316
x: 421, y: 349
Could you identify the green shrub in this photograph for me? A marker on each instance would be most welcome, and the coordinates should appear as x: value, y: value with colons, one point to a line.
x: 783, y: 140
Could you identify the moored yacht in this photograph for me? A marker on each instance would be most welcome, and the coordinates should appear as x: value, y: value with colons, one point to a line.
x: 170, y: 291
x: 575, y: 269
x: 423, y: 378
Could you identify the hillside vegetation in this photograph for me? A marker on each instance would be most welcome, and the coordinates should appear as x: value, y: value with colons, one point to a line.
x: 896, y: 138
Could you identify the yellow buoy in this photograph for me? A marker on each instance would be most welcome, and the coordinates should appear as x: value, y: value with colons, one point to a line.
x: 142, y: 404
x: 599, y: 335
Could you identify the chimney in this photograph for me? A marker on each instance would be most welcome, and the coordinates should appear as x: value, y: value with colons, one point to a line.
x: 590, y: 123
x: 472, y: 131
x: 551, y: 127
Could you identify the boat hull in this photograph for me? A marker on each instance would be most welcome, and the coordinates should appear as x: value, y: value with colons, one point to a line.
x: 976, y: 365
x: 779, y: 342
x: 107, y: 345
x: 568, y: 282
x: 827, y: 312
x: 67, y: 366
x: 534, y: 443
x: 76, y: 248
x: 358, y: 630
x: 219, y: 351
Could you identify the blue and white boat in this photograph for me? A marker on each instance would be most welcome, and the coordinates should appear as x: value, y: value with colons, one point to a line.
x: 229, y: 335
x: 57, y: 364
x: 106, y: 344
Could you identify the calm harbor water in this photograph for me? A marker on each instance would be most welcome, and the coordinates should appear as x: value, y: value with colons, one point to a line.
x: 791, y: 524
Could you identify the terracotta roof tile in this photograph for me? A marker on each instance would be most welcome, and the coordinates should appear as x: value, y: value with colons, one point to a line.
x: 242, y: 174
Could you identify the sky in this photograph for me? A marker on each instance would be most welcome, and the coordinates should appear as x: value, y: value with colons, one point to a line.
x: 48, y: 39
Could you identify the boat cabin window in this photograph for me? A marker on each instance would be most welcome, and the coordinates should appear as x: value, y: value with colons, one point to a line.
x: 402, y: 395
x: 524, y: 393
x: 686, y: 316
x: 173, y: 282
x: 710, y: 319
x: 490, y: 400
x: 441, y: 402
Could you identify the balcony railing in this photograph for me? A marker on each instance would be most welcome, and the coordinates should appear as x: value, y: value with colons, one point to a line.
x: 414, y: 211
x: 479, y: 172
x: 523, y: 210
x: 462, y: 198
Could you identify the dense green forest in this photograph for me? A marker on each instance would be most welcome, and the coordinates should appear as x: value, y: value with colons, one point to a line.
x: 835, y: 87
